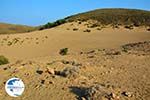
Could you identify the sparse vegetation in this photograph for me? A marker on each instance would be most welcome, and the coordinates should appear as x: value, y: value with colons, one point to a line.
x: 12, y: 28
x: 115, y: 26
x: 99, y: 28
x: 3, y: 60
x: 63, y: 51
x: 93, y: 25
x: 75, y: 29
x: 87, y: 30
x: 115, y: 16
x: 129, y: 27
x: 54, y: 24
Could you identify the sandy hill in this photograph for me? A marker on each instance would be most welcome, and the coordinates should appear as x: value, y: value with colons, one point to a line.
x: 12, y: 28
x: 115, y: 16
x: 128, y: 18
x: 102, y: 62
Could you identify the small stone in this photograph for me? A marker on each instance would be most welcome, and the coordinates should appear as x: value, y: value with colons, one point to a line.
x: 39, y: 71
x: 118, y: 98
x: 26, y: 74
x: 42, y: 81
x: 81, y: 52
x: 82, y: 98
x: 5, y: 68
x: 50, y: 71
x: 51, y: 82
x: 128, y: 94
x: 113, y: 95
x: 4, y: 83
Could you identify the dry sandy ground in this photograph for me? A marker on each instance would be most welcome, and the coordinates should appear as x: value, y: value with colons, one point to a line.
x: 96, y: 62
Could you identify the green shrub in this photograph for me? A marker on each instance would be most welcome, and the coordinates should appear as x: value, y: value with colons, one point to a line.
x: 63, y: 51
x: 3, y: 60
x: 50, y: 25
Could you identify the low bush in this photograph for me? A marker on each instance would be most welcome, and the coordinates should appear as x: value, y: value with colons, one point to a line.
x: 63, y: 51
x: 3, y: 60
x: 87, y: 30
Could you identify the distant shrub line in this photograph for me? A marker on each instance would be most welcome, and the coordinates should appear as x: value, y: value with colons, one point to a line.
x: 54, y: 24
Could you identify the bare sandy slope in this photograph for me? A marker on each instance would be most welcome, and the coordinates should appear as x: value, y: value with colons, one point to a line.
x: 49, y: 42
x: 99, y: 65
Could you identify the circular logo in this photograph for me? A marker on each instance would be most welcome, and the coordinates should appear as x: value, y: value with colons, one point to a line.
x: 14, y: 87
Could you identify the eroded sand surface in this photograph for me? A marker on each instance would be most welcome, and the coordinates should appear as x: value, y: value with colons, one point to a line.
x: 98, y: 61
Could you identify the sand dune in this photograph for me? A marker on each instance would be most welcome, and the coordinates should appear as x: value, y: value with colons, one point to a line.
x: 98, y: 61
x: 49, y: 42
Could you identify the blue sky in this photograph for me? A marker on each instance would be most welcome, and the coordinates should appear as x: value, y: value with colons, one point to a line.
x: 37, y: 12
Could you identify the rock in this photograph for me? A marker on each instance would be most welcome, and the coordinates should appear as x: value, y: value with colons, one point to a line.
x: 50, y: 71
x: 4, y: 83
x: 65, y: 62
x: 69, y: 72
x: 97, y: 92
x: 73, y: 63
x: 42, y: 81
x: 51, y: 82
x: 82, y: 98
x: 5, y: 68
x: 113, y: 95
x: 128, y: 94
x: 39, y: 72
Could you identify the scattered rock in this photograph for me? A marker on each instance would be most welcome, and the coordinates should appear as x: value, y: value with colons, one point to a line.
x: 112, y: 52
x: 69, y: 72
x: 140, y: 46
x: 73, y: 63
x: 96, y: 92
x: 39, y: 71
x: 87, y: 30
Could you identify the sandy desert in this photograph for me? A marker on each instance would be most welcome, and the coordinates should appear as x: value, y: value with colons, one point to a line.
x: 101, y: 64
